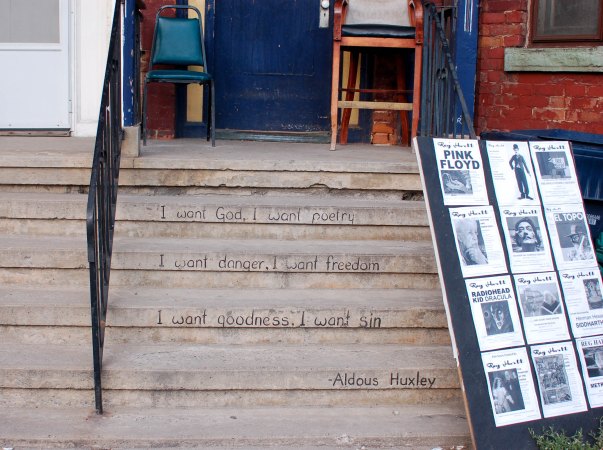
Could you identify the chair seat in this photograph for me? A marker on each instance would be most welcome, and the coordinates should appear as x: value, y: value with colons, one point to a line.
x: 175, y: 76
x: 382, y: 31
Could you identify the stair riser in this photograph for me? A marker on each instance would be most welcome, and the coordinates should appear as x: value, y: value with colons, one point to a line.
x: 228, y: 260
x: 268, y: 179
x: 315, y: 379
x: 254, y: 317
x: 394, y: 195
x: 268, y: 262
x: 39, y: 178
x: 74, y: 398
x: 43, y: 227
x: 296, y: 210
x: 229, y: 316
x: 229, y: 212
x: 45, y: 277
x: 40, y: 335
x: 259, y: 317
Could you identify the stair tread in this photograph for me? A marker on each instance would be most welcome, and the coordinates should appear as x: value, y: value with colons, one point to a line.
x: 306, y: 200
x: 140, y: 297
x: 375, y: 427
x: 125, y: 244
x: 275, y: 156
x: 398, y: 299
x: 270, y: 245
x: 198, y: 357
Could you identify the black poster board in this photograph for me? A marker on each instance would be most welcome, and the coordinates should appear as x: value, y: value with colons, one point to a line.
x: 477, y: 395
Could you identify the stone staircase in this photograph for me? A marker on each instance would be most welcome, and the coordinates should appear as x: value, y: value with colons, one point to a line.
x: 262, y: 295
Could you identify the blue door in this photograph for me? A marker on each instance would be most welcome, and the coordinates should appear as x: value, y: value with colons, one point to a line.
x: 272, y: 63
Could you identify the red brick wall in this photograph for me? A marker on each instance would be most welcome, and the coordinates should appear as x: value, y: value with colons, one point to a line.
x: 161, y: 103
x: 523, y: 100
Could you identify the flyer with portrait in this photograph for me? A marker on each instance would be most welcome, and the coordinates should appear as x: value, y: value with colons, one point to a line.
x: 461, y: 172
x: 526, y: 238
x: 590, y: 353
x: 494, y: 311
x: 558, y: 378
x: 555, y: 172
x: 511, y: 386
x: 541, y: 307
x: 583, y: 300
x: 570, y: 236
x: 512, y: 173
x: 478, y: 241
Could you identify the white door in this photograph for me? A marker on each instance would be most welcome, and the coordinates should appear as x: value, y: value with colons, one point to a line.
x: 34, y: 64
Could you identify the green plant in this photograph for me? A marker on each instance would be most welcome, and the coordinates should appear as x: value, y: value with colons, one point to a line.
x: 550, y: 439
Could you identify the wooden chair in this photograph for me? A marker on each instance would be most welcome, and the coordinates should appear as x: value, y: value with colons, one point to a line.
x: 364, y: 24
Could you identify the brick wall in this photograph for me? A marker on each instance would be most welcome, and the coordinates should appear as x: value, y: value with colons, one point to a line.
x: 528, y: 100
x: 161, y: 103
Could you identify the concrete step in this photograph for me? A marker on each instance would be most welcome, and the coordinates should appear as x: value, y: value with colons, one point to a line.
x: 225, y: 316
x: 299, y: 210
x: 266, y: 255
x: 421, y: 428
x: 193, y: 375
x: 182, y: 163
x: 222, y: 216
x: 256, y: 263
x: 244, y: 367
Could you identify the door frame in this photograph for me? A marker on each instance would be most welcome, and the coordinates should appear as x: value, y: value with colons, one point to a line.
x: 195, y: 129
x: 66, y: 27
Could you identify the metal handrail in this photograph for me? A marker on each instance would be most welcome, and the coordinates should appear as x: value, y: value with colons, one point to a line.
x: 444, y: 112
x: 102, y: 198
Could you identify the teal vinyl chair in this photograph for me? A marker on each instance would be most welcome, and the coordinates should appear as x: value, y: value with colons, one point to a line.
x: 178, y: 41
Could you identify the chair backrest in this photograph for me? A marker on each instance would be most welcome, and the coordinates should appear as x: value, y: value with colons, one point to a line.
x: 378, y: 12
x: 178, y: 41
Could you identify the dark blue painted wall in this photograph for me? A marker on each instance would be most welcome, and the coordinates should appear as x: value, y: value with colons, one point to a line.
x: 129, y: 64
x: 466, y: 49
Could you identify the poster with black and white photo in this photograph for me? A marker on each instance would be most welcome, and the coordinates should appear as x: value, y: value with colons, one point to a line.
x: 511, y: 386
x: 590, y: 353
x: 512, y: 173
x: 477, y: 241
x: 555, y: 172
x: 491, y: 361
x: 526, y: 238
x: 541, y: 307
x: 494, y: 312
x: 461, y: 172
x: 570, y: 236
x: 583, y: 300
x: 558, y: 379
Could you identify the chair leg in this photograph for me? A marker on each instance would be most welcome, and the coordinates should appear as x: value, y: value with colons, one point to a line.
x: 402, y: 98
x: 416, y: 95
x: 212, y: 103
x: 207, y: 114
x: 144, y: 114
x: 349, y: 96
x: 335, y: 91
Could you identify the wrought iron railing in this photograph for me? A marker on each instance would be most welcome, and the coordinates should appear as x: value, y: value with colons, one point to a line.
x: 444, y: 112
x: 102, y: 198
